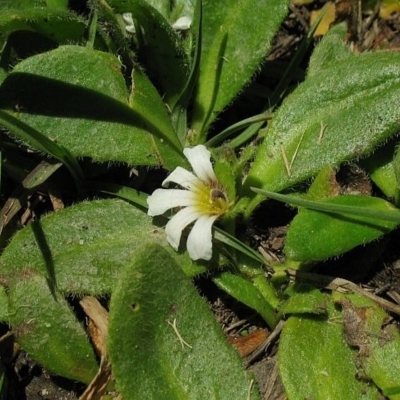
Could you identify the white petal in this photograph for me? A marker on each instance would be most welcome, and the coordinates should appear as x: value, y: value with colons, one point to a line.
x: 163, y: 199
x: 182, y: 177
x: 199, y: 243
x: 178, y: 223
x: 130, y: 27
x: 127, y: 17
x: 199, y: 158
x: 182, y: 23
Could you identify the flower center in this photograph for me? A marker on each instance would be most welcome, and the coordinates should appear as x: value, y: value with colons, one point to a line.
x: 211, y: 200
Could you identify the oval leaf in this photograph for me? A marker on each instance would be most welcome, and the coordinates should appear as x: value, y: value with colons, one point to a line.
x: 163, y: 339
x: 342, y: 113
x: 231, y: 52
x: 86, y: 246
x: 303, y: 299
x: 45, y: 327
x: 315, y: 235
x: 58, y: 25
x: 310, y: 368
x: 78, y: 97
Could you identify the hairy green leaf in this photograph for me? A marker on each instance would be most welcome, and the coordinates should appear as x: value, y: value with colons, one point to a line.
x: 161, y: 54
x: 315, y: 361
x: 367, y: 329
x: 303, y: 299
x: 58, y: 25
x: 163, y: 339
x: 245, y: 292
x: 85, y: 246
x: 231, y: 52
x: 315, y: 235
x: 78, y: 97
x: 332, y: 49
x: 380, y: 167
x: 3, y: 305
x: 45, y: 326
x: 343, y: 112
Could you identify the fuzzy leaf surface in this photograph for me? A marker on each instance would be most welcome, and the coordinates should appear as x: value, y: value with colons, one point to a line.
x: 78, y: 97
x: 245, y: 292
x: 315, y: 235
x: 45, y: 327
x: 3, y: 305
x: 161, y: 54
x: 303, y: 299
x: 316, y: 362
x: 153, y: 294
x: 377, y: 341
x: 342, y: 113
x: 58, y: 25
x: 85, y: 245
x: 231, y: 52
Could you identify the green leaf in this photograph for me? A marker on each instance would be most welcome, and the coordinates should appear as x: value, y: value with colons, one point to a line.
x: 61, y: 26
x: 163, y: 339
x: 231, y: 52
x: 173, y: 10
x: 314, y: 235
x: 42, y: 143
x: 396, y: 170
x: 60, y: 4
x: 78, y: 97
x: 303, y: 299
x: 343, y: 112
x: 315, y: 361
x: 245, y: 292
x: 393, y: 214
x: 17, y: 4
x: 180, y: 108
x: 87, y: 245
x: 331, y: 49
x: 123, y: 192
x: 163, y: 57
x: 324, y: 185
x: 380, y: 167
x: 146, y: 101
x: 290, y: 73
x: 45, y: 326
x: 3, y: 305
x: 367, y: 328
x: 235, y: 243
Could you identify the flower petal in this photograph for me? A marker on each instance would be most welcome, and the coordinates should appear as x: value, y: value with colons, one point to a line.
x: 129, y: 25
x: 178, y: 223
x: 182, y: 177
x: 182, y: 23
x: 199, y: 243
x: 163, y: 199
x: 199, y: 158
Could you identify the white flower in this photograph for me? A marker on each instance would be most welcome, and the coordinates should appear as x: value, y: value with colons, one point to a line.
x: 182, y: 24
x: 203, y: 200
x: 129, y: 24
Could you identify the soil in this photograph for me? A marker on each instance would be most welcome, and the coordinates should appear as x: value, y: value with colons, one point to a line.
x: 376, y: 267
